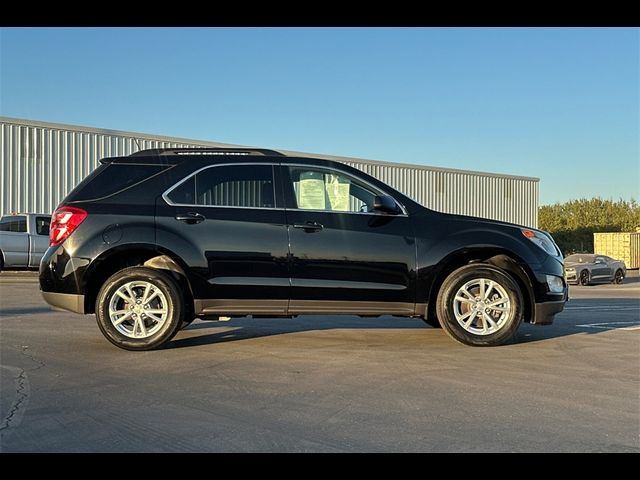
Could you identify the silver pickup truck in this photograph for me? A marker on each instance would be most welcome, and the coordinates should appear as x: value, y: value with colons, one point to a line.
x: 24, y: 237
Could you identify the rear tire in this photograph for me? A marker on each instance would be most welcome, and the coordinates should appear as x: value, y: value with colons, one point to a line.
x: 139, y: 308
x: 584, y: 278
x: 618, y: 279
x: 480, y: 305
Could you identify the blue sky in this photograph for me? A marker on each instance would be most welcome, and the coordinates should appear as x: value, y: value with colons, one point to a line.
x: 559, y: 104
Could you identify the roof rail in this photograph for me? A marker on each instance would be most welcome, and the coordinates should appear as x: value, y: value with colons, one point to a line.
x: 207, y: 151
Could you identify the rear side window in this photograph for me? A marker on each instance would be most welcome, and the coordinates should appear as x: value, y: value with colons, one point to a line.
x: 42, y: 225
x: 112, y: 178
x: 249, y: 186
x: 13, y: 223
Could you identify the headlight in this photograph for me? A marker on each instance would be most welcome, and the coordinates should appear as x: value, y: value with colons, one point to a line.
x: 556, y: 284
x: 541, y: 240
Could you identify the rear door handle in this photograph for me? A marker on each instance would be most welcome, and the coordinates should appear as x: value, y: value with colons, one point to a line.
x: 190, y: 217
x: 309, y: 226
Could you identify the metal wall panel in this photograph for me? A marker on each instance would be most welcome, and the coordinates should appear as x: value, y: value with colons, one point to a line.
x: 41, y: 162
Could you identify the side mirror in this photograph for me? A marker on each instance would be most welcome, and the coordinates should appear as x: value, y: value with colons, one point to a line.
x: 386, y: 204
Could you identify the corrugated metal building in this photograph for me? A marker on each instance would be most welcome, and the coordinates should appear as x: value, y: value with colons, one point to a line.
x: 40, y: 162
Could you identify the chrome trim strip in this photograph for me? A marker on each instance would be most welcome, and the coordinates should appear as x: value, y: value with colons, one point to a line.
x: 319, y: 283
x: 251, y: 281
x: 169, y: 202
x: 273, y: 184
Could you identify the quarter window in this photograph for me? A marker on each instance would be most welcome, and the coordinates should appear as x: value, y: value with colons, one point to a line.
x: 248, y: 186
x: 319, y: 189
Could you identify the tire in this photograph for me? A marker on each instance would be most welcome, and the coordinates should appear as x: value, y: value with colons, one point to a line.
x: 618, y: 278
x: 154, y: 324
x: 1, y: 261
x: 488, y: 326
x: 584, y: 278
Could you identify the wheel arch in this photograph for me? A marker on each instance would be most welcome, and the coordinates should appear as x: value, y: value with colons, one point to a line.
x: 499, y: 257
x: 130, y: 255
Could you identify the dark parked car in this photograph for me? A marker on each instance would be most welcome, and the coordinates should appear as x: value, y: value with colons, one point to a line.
x: 151, y: 241
x: 586, y: 268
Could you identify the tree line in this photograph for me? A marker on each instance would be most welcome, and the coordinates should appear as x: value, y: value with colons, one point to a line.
x: 573, y: 223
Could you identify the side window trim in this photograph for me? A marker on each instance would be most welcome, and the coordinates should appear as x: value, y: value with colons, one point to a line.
x: 165, y: 195
x: 377, y: 190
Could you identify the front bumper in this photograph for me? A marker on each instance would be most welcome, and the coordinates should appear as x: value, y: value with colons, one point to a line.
x: 548, y: 302
x: 545, y: 312
x: 65, y: 301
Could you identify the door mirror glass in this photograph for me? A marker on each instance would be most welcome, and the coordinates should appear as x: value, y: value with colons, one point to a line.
x: 386, y: 204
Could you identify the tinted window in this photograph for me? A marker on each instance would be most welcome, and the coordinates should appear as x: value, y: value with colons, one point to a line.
x: 14, y: 223
x: 228, y: 186
x: 42, y: 225
x: 112, y: 178
x: 320, y: 189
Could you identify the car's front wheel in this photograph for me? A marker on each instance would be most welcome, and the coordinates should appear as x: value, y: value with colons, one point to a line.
x: 585, y: 278
x: 139, y: 308
x: 481, y: 305
x: 619, y: 277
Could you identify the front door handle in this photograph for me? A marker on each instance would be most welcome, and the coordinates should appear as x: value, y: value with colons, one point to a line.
x: 190, y: 217
x: 309, y: 226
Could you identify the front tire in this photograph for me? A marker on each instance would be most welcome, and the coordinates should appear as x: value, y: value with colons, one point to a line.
x: 618, y: 279
x: 139, y: 308
x: 585, y: 278
x: 480, y: 305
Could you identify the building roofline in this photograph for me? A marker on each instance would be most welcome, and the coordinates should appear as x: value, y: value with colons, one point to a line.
x: 204, y: 143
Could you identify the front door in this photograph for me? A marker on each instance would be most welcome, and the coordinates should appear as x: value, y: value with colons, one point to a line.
x: 344, y: 256
x: 225, y: 224
x: 601, y: 269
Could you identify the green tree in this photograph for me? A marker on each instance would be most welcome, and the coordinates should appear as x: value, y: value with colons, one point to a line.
x: 573, y: 223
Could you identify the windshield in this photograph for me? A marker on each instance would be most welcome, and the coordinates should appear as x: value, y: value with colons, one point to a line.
x: 580, y: 258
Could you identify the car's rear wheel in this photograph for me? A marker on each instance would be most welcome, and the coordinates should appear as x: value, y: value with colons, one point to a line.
x: 139, y: 308
x: 480, y: 305
x: 585, y: 278
x: 619, y: 277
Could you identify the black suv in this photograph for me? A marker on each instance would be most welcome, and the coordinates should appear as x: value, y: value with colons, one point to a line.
x: 151, y: 241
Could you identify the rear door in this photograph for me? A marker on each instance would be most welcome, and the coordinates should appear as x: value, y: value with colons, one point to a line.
x: 223, y: 221
x: 15, y: 240
x: 344, y: 256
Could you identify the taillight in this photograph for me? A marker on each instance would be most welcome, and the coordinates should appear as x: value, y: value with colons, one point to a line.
x: 63, y: 222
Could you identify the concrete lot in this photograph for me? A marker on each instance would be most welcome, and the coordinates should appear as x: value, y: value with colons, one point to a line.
x: 321, y: 383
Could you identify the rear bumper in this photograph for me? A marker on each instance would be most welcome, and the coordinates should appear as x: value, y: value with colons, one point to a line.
x: 65, y: 301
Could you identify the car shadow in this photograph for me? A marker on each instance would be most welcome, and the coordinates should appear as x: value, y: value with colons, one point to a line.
x: 570, y: 322
x: 244, y: 328
x: 12, y: 312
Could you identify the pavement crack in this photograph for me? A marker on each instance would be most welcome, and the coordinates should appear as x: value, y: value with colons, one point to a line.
x: 39, y: 363
x: 22, y: 394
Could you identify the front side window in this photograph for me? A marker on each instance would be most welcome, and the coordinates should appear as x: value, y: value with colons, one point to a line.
x: 249, y: 186
x: 14, y: 223
x: 321, y: 189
